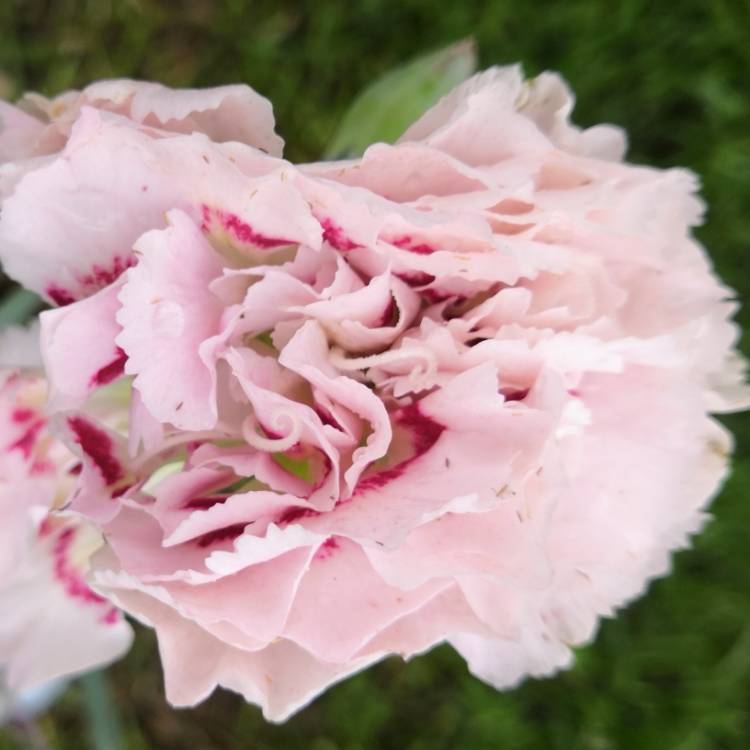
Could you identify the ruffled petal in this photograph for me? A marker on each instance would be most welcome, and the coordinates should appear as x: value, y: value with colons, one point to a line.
x: 166, y: 309
x: 88, y: 327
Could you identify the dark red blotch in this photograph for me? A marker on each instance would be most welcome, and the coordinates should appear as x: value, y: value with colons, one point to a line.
x: 98, y: 446
x: 425, y: 433
x: 110, y: 371
x: 220, y: 535
x: 334, y: 235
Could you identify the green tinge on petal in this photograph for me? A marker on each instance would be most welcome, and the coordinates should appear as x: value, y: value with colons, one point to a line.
x: 299, y: 467
x: 245, y: 484
x: 389, y: 105
x: 167, y: 470
x: 265, y: 338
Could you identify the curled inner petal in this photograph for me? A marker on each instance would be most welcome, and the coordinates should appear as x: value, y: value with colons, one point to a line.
x: 281, y: 419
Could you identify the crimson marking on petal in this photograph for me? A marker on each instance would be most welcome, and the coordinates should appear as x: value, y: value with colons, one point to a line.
x: 97, y: 445
x: 70, y: 579
x: 416, y: 278
x: 426, y: 430
x: 27, y: 441
x: 334, y: 235
x: 111, y: 616
x: 205, y: 218
x: 193, y: 446
x: 326, y: 549
x: 99, y: 276
x: 111, y: 371
x: 290, y: 515
x: 390, y: 316
x: 407, y: 242
x: 204, y: 503
x: 76, y: 469
x: 327, y: 418
x: 43, y: 466
x: 433, y: 296
x: 271, y: 434
x: 425, y: 433
x: 10, y: 380
x: 515, y: 395
x: 220, y: 535
x: 240, y: 229
x: 22, y: 414
x: 59, y: 296
x: 120, y: 491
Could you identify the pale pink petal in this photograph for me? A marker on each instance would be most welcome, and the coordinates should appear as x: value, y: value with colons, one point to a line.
x: 48, y: 238
x: 88, y: 328
x: 222, y: 605
x: 333, y: 623
x: 20, y: 347
x: 104, y: 471
x: 19, y: 133
x: 444, y: 615
x: 223, y: 113
x: 166, y: 304
x: 476, y: 106
x: 462, y: 438
x: 50, y: 242
x: 549, y: 102
x: 53, y: 624
x: 667, y: 458
x: 295, y: 424
x: 404, y: 173
x: 281, y: 678
x: 370, y: 318
x: 248, y: 220
x: 305, y: 354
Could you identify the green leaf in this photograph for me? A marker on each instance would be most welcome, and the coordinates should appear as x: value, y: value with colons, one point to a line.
x: 384, y: 110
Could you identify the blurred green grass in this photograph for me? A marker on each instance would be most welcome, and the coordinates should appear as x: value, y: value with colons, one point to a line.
x: 671, y: 673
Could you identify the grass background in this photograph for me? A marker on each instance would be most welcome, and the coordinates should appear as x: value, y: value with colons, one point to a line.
x: 671, y: 673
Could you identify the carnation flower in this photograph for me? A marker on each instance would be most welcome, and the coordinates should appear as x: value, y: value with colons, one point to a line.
x: 458, y: 390
x: 53, y: 624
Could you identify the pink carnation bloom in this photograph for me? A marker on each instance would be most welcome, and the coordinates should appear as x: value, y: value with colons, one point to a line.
x: 52, y: 625
x: 457, y: 390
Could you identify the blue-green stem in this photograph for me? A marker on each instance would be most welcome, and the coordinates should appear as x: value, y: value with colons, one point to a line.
x: 18, y: 306
x: 103, y: 722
